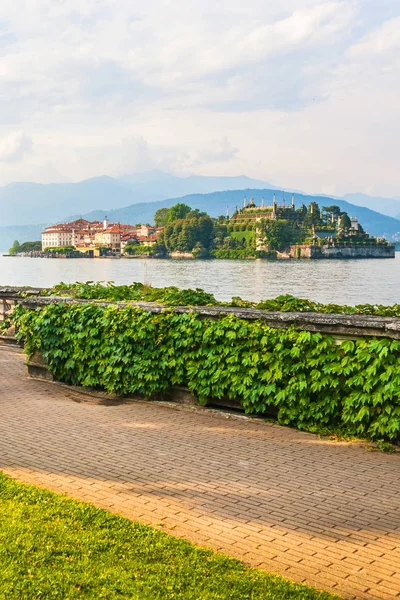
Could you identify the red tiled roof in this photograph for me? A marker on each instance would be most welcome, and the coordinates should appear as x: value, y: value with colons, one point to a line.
x: 91, y: 227
x: 128, y: 236
x: 78, y: 223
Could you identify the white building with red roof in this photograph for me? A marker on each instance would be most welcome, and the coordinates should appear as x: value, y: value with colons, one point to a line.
x: 88, y: 236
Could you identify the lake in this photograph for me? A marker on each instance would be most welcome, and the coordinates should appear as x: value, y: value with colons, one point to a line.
x: 340, y: 281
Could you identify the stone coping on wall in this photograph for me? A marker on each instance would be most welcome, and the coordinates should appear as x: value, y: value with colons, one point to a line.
x: 335, y: 324
x: 7, y: 291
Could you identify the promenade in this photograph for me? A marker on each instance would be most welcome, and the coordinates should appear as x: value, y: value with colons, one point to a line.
x: 319, y: 512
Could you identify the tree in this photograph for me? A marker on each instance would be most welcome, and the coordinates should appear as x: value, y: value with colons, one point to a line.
x: 301, y: 212
x: 333, y: 209
x: 30, y: 247
x: 313, y: 216
x: 161, y: 217
x: 345, y: 222
x: 220, y: 233
x: 178, y: 211
x: 278, y: 235
x: 195, y: 214
x: 183, y: 235
x: 14, y: 248
x: 328, y: 211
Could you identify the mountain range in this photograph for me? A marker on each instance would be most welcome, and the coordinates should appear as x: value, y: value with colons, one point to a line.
x: 387, y: 206
x: 26, y: 208
x: 32, y: 203
x: 217, y: 203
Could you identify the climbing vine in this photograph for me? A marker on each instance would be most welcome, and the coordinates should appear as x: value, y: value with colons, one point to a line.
x: 312, y: 382
x: 173, y: 296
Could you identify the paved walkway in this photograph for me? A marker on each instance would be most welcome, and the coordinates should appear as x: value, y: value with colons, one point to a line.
x: 323, y: 513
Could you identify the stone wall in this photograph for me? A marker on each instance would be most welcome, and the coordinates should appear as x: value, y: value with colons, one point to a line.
x: 321, y: 252
x: 11, y: 296
x: 180, y: 255
x: 338, y: 325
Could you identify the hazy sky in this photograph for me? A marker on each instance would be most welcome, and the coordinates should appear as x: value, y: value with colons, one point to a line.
x: 303, y: 93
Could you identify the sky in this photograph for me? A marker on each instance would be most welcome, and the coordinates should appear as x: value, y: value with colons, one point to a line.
x: 302, y: 93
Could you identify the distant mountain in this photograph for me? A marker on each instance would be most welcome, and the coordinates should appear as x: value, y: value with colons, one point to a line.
x: 163, y: 186
x: 26, y: 233
x: 387, y: 206
x: 27, y: 203
x: 216, y: 203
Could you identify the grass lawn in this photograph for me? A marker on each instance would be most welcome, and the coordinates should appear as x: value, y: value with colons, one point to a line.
x: 239, y: 235
x: 53, y: 547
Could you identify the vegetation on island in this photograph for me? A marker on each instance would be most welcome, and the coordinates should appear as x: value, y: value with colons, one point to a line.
x: 139, y: 250
x: 185, y: 230
x: 66, y: 251
x: 24, y: 248
x: 256, y: 231
x: 54, y: 547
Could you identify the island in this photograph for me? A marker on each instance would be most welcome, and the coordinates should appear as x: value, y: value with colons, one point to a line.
x: 280, y: 231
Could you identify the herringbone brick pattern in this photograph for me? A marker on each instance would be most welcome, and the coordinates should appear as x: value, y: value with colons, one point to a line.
x: 323, y: 513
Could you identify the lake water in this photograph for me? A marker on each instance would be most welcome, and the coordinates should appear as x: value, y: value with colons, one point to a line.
x: 340, y: 281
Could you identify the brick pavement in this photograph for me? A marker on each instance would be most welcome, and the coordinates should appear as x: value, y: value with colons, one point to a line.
x: 323, y: 513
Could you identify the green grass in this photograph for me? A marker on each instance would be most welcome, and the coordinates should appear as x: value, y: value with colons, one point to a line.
x: 239, y: 235
x: 53, y: 547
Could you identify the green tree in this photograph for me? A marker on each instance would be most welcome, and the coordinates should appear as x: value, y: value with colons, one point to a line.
x: 333, y: 209
x: 328, y: 211
x: 178, y: 211
x: 184, y: 234
x: 278, y: 235
x: 196, y: 214
x: 14, y: 248
x: 161, y: 217
x: 313, y: 216
x: 345, y: 222
x: 30, y: 247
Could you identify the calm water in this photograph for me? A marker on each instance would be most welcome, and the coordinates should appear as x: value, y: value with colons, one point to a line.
x: 341, y: 281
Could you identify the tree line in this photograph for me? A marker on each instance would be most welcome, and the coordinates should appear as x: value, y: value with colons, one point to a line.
x: 25, y: 247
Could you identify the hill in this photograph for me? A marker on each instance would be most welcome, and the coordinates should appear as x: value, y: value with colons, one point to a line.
x: 162, y: 186
x: 27, y: 233
x: 27, y: 203
x: 215, y: 204
x: 386, y: 206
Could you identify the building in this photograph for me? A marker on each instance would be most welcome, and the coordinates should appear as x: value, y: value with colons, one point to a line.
x: 56, y: 237
x: 89, y: 237
x: 110, y: 238
x: 252, y: 212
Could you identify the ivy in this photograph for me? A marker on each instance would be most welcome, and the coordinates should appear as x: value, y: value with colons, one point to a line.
x: 313, y: 383
x: 173, y: 296
x: 4, y: 325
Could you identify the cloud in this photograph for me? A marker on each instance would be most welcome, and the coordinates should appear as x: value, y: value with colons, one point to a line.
x: 178, y: 54
x: 303, y: 93
x: 15, y: 147
x: 135, y: 154
x: 383, y: 42
x: 185, y: 54
x: 217, y: 151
